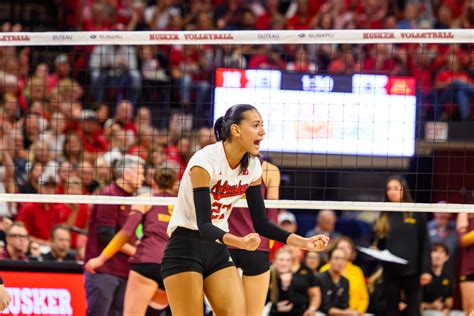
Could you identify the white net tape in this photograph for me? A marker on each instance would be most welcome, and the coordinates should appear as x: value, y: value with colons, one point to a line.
x: 238, y: 37
x: 280, y: 204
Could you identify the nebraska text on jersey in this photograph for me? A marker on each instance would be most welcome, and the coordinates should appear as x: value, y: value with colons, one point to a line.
x: 220, y: 191
x: 226, y: 186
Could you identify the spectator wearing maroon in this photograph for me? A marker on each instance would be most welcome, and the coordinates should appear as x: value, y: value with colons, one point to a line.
x: 105, y: 289
x: 17, y: 243
x: 39, y: 218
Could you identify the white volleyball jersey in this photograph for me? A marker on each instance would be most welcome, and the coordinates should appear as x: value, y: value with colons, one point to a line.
x: 227, y: 187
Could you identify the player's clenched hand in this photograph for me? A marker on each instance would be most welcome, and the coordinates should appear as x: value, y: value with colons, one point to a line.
x: 5, y: 297
x: 94, y: 264
x: 250, y: 242
x: 317, y: 243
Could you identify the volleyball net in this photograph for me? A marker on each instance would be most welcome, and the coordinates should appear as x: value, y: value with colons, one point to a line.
x: 343, y: 110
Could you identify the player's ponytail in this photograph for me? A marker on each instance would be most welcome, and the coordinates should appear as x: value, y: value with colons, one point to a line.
x: 218, y: 128
x: 234, y: 115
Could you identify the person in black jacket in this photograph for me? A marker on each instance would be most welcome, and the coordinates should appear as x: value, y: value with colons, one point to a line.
x: 334, y: 286
x: 406, y: 236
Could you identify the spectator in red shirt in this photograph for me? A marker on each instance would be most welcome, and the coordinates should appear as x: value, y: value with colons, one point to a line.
x: 75, y: 215
x: 267, y: 57
x: 65, y: 171
x: 303, y: 17
x: 467, y: 20
x: 372, y: 14
x: 452, y: 84
x: 17, y: 243
x: 39, y: 218
x: 264, y: 21
x: 144, y: 142
x: 93, y: 140
x: 124, y: 116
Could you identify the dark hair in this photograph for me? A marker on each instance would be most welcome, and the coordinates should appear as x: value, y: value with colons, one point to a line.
x: 337, y: 240
x: 234, y: 115
x: 382, y: 226
x: 439, y: 245
x: 58, y: 227
x: 165, y: 178
x: 331, y: 252
x: 406, y: 195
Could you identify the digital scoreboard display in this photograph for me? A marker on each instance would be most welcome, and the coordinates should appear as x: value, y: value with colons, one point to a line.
x: 361, y: 114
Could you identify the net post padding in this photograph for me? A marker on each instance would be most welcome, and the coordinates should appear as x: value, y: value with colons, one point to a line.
x: 419, y: 36
x: 280, y: 204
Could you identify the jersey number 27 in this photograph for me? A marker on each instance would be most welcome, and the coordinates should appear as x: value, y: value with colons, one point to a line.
x: 219, y: 209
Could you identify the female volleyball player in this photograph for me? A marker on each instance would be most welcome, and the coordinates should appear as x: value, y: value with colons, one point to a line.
x: 196, y: 259
x: 145, y: 284
x: 255, y: 265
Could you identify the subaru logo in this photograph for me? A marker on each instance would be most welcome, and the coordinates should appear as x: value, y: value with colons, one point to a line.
x: 93, y: 36
x: 301, y: 35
